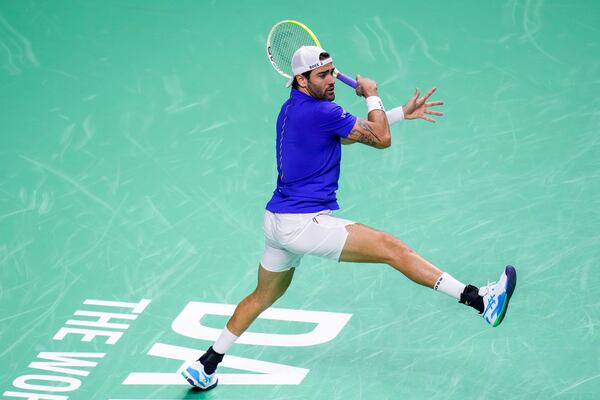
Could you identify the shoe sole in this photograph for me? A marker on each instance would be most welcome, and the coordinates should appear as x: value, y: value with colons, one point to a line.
x: 196, y: 387
x: 511, y: 279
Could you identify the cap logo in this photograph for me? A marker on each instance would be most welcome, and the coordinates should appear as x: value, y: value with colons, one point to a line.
x: 305, y: 59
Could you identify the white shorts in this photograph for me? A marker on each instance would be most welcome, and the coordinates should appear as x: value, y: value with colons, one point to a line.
x: 290, y: 236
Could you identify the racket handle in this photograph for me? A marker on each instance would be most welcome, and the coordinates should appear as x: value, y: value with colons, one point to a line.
x: 347, y: 80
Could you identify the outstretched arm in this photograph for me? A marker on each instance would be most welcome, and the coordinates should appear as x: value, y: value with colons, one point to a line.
x: 413, y: 109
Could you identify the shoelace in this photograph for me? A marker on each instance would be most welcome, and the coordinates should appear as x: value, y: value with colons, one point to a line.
x: 487, y: 288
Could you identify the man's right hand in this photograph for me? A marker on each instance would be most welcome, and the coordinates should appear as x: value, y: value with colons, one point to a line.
x: 366, y: 87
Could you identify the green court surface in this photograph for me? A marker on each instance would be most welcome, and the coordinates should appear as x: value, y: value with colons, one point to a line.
x: 137, y: 153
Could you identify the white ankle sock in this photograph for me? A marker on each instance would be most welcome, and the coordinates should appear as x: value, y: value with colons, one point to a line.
x: 224, y: 342
x: 447, y: 284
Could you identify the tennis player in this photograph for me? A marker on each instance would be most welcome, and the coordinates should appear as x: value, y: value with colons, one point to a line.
x: 299, y: 217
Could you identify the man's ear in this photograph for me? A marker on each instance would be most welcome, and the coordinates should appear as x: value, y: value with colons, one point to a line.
x: 302, y: 81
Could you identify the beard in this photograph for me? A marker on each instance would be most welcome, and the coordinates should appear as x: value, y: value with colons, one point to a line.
x: 326, y: 93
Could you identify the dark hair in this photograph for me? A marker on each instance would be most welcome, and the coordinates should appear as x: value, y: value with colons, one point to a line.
x: 295, y: 81
x: 306, y: 74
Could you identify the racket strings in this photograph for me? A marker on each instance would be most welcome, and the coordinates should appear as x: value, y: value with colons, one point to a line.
x: 286, y: 39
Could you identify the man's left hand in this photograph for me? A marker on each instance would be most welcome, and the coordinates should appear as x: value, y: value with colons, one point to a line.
x: 417, y: 108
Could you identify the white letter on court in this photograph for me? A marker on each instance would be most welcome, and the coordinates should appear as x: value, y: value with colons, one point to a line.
x: 188, y: 323
x: 136, y: 308
x: 62, y: 360
x: 88, y: 334
x: 21, y: 383
x: 329, y: 324
x: 34, y: 396
x: 269, y: 373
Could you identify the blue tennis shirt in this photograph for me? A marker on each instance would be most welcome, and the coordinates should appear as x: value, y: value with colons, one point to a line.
x: 308, y: 154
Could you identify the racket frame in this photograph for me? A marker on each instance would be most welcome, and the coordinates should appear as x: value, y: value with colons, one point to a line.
x: 344, y: 78
x: 287, y: 21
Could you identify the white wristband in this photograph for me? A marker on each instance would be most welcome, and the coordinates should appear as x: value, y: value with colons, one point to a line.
x: 395, y: 115
x: 374, y: 103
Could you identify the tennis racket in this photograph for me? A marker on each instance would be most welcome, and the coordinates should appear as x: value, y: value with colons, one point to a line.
x: 288, y: 36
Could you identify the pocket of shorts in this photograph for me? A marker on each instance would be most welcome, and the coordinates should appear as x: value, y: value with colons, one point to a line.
x: 316, y: 217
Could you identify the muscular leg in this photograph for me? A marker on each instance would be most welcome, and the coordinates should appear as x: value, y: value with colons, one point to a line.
x: 271, y: 285
x: 365, y: 244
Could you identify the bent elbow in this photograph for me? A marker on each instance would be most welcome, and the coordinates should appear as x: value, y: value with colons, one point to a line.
x: 385, y: 143
x: 385, y: 138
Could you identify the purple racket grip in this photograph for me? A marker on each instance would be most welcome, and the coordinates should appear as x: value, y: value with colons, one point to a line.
x: 347, y: 80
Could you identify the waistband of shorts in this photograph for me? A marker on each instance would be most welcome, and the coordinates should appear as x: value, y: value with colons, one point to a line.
x: 312, y: 214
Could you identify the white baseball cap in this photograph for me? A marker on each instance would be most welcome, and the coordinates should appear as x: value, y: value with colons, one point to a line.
x: 306, y: 58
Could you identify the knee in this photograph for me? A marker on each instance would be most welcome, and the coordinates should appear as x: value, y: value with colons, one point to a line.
x: 395, y: 249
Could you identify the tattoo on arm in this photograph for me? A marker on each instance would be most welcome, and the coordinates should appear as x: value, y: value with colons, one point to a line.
x: 363, y: 133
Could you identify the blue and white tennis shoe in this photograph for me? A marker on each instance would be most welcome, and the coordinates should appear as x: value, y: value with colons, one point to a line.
x: 197, y: 376
x: 497, y: 295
